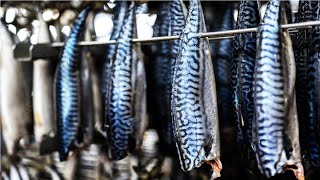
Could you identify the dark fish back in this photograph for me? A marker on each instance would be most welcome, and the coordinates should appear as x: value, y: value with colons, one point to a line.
x: 120, y: 112
x: 313, y: 88
x: 269, y: 94
x: 67, y: 89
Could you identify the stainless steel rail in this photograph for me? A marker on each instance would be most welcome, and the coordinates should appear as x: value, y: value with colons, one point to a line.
x: 29, y: 52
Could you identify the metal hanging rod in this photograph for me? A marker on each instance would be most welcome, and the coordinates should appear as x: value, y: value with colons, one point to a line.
x: 29, y: 52
x: 212, y: 35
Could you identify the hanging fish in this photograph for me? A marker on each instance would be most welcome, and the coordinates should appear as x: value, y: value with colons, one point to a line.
x: 300, y: 45
x: 313, y: 74
x: 140, y: 106
x: 243, y: 70
x: 43, y: 108
x: 15, y: 105
x: 91, y: 114
x: 291, y: 133
x: 119, y: 15
x: 234, y: 81
x: 222, y: 69
x: 120, y: 104
x: 67, y: 85
x: 269, y: 96
x: 177, y: 22
x: 162, y: 83
x: 194, y: 101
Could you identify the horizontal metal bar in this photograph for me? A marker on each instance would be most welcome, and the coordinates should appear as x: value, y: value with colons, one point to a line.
x: 210, y: 35
x: 28, y: 52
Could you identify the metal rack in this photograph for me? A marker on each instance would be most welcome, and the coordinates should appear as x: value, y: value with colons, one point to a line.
x: 30, y: 52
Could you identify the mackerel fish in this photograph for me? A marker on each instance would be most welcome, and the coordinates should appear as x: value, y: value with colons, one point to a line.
x: 194, y: 101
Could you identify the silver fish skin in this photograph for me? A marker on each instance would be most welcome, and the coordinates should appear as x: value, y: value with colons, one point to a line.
x: 43, y: 107
x: 269, y: 96
x: 242, y: 76
x: 140, y: 105
x: 67, y: 89
x: 91, y: 114
x: 194, y: 103
x: 120, y: 105
x: 313, y: 75
x: 15, y: 105
x: 291, y: 138
x: 141, y: 116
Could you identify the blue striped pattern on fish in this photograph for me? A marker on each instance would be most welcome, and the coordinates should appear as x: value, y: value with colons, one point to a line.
x: 177, y: 22
x: 120, y: 104
x: 249, y: 18
x: 234, y: 81
x: 194, y: 105
x: 300, y: 45
x: 313, y: 71
x: 269, y: 94
x: 67, y: 89
x: 119, y: 15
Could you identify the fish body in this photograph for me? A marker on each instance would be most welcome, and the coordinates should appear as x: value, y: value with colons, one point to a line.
x: 91, y: 114
x: 291, y: 133
x: 15, y: 106
x: 300, y: 44
x: 120, y: 108
x: 43, y: 108
x: 194, y: 107
x: 248, y: 18
x: 222, y: 69
x: 140, y: 106
x: 119, y: 16
x: 313, y: 74
x: 234, y: 81
x: 269, y: 96
x: 67, y: 89
x: 177, y: 22
x: 162, y: 83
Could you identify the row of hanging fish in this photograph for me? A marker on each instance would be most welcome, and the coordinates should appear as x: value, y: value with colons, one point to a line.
x: 262, y: 85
